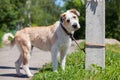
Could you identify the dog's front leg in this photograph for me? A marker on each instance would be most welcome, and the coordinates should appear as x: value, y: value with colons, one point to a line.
x: 54, y: 52
x: 63, y: 57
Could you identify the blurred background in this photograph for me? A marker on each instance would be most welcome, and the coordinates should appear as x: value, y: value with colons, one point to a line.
x: 17, y: 14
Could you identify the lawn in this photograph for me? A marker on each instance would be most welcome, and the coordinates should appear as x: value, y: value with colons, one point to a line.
x: 75, y: 68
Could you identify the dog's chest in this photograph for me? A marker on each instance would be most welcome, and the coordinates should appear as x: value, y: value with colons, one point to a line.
x: 64, y: 42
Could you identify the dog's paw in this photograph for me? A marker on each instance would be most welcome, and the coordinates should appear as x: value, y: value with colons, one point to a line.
x: 30, y: 75
x: 19, y: 74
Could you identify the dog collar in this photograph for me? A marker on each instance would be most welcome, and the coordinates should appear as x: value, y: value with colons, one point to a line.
x: 70, y: 34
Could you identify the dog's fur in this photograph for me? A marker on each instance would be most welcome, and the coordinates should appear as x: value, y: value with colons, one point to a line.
x: 51, y: 38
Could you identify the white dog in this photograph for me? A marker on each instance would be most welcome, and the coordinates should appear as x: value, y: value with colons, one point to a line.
x: 54, y: 38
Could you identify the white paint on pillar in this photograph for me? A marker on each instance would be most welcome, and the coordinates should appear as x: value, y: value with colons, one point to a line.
x: 95, y: 33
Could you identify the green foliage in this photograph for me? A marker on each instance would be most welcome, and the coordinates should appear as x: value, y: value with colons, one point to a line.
x: 75, y: 68
x: 44, y: 12
x: 10, y: 38
x: 9, y: 12
x: 1, y: 34
x: 113, y: 19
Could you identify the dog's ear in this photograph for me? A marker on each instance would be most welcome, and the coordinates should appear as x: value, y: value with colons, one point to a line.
x: 62, y: 17
x: 75, y: 12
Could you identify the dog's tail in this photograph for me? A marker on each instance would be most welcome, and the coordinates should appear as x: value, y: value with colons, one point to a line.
x: 8, y: 39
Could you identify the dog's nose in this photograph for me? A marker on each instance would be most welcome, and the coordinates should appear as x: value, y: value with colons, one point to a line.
x: 74, y: 25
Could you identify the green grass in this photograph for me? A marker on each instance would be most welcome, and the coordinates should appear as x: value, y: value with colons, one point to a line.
x: 75, y: 68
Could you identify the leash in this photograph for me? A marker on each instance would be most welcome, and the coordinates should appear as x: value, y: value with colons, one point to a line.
x: 82, y: 49
x: 87, y: 44
x: 71, y: 36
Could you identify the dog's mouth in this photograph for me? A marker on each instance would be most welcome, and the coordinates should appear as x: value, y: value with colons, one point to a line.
x: 75, y: 26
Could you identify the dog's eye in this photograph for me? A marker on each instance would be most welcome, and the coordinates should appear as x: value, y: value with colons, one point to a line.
x: 68, y: 20
x: 74, y: 17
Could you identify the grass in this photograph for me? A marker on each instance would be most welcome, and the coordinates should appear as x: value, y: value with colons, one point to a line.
x: 75, y: 68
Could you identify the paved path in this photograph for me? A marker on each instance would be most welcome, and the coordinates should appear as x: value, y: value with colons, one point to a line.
x: 9, y: 55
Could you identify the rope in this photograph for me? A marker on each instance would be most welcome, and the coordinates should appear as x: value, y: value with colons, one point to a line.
x: 82, y: 49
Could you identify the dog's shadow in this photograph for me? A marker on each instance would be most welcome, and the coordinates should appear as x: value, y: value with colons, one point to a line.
x: 41, y: 70
x: 13, y: 74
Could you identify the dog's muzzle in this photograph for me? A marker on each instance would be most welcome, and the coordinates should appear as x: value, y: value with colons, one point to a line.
x: 75, y: 26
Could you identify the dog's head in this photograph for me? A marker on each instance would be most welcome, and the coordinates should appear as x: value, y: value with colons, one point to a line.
x: 69, y: 20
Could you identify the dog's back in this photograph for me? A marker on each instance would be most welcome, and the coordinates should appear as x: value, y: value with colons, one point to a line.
x: 40, y: 37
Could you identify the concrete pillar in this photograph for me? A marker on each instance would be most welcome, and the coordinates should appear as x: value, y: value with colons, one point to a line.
x: 95, y: 33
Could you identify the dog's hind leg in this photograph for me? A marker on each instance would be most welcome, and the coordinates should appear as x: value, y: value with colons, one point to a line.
x: 26, y: 56
x: 19, y: 60
x: 25, y: 48
x: 18, y: 64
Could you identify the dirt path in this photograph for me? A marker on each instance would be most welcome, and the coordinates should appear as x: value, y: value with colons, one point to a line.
x: 8, y: 56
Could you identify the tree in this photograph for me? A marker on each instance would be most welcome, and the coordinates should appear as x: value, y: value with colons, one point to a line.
x: 9, y: 13
x: 113, y: 19
x: 13, y: 13
x: 44, y: 12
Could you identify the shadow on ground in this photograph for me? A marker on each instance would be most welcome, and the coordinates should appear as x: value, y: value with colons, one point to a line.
x: 13, y: 74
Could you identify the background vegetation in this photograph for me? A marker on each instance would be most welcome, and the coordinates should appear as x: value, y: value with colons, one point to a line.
x: 75, y: 68
x: 113, y: 19
x: 16, y: 14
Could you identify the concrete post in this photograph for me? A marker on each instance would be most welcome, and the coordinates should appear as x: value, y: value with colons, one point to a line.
x: 95, y: 33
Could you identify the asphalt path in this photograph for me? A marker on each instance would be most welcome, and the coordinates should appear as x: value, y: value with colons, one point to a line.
x: 8, y: 56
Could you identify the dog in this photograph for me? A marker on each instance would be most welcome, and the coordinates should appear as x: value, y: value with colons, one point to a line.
x: 54, y: 38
